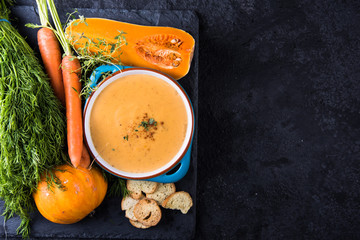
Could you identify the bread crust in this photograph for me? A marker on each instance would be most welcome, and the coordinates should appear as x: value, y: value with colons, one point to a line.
x: 179, y: 200
x: 129, y: 201
x: 138, y: 224
x: 127, y: 205
x: 147, y: 212
x: 136, y: 187
x: 162, y: 192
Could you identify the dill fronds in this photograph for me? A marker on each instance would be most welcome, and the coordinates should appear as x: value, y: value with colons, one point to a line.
x: 32, y: 124
x: 117, y: 186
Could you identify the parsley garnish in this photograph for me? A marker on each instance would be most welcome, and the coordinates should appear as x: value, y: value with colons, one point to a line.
x: 147, y: 124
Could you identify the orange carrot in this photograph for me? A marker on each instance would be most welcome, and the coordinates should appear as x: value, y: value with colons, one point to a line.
x: 78, y: 152
x: 51, y: 55
x: 50, y: 51
x: 71, y: 71
x: 85, y: 158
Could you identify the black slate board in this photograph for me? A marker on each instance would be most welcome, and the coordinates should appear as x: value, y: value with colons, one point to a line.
x: 109, y: 221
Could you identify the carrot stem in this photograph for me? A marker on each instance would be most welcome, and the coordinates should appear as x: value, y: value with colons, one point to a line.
x: 60, y: 32
x: 43, y: 13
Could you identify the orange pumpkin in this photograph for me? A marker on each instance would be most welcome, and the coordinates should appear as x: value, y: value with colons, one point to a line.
x: 167, y: 49
x: 83, y: 191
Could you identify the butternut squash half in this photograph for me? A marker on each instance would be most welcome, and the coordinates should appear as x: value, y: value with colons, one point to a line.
x: 166, y: 49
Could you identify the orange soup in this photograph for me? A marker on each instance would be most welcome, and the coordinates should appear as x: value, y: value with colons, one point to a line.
x: 138, y: 123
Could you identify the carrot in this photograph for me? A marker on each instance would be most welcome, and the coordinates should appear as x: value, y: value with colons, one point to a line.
x: 51, y: 56
x: 71, y: 72
x: 50, y: 52
x: 85, y: 158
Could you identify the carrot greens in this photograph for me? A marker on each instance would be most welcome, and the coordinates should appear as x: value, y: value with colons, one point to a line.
x: 32, y: 125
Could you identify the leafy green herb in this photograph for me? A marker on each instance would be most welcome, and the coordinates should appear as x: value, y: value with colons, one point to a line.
x: 52, y: 180
x: 32, y: 125
x: 92, y: 59
x: 74, y: 89
x: 126, y: 137
x: 144, y: 124
x: 147, y: 124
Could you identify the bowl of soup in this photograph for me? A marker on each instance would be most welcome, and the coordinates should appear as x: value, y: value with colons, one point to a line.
x: 138, y: 123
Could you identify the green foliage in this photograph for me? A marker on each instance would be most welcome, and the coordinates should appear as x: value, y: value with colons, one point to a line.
x: 117, y: 186
x: 32, y: 124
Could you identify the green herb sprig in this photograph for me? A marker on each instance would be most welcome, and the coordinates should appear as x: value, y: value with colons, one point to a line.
x: 91, y: 59
x: 147, y: 124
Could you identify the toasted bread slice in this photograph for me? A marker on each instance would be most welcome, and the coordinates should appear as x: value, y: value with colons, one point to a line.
x: 147, y: 212
x: 163, y: 191
x: 127, y: 205
x: 128, y: 202
x: 138, y: 224
x: 179, y: 200
x: 136, y: 187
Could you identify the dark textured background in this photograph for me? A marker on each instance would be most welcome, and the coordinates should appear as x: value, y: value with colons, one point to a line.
x: 279, y: 121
